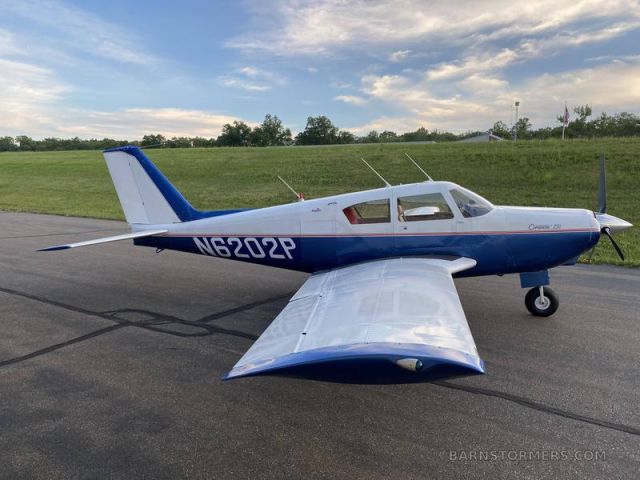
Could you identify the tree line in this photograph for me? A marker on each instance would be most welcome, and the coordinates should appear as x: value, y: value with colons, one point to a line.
x: 581, y: 126
x: 321, y: 131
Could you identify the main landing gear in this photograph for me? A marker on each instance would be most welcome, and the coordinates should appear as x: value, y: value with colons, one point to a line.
x: 541, y: 301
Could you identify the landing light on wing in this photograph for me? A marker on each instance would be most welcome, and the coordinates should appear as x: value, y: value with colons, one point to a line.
x: 411, y: 364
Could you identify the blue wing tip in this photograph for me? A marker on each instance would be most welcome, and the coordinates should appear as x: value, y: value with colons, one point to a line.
x: 53, y: 249
x: 369, y: 361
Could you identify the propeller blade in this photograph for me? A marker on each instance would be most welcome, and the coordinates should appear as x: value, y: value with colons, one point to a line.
x: 591, y: 252
x: 602, y: 188
x: 607, y: 232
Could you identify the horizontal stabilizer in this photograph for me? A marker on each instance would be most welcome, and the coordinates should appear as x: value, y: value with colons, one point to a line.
x: 126, y: 236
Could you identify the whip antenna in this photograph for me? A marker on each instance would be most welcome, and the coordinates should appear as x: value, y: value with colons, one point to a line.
x: 419, y: 167
x: 374, y: 171
x: 299, y: 196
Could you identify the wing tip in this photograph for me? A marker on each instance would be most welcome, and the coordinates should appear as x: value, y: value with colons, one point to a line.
x: 54, y: 248
x: 369, y: 358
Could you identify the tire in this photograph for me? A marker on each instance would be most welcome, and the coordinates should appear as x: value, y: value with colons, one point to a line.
x: 544, y: 308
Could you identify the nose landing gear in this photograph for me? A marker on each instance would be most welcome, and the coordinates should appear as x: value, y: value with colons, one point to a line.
x: 541, y: 301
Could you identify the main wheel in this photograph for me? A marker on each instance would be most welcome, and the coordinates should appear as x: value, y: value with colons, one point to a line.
x: 541, y: 306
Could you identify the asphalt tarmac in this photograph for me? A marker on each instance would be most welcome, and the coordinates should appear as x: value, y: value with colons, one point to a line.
x: 111, y: 358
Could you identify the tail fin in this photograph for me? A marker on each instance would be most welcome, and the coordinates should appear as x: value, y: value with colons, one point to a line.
x: 146, y: 196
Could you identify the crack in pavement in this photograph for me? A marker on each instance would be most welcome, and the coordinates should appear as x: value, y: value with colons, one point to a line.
x: 60, y: 345
x: 153, y: 324
x: 541, y: 407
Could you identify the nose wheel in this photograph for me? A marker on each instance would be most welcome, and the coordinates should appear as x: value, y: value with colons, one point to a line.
x: 541, y: 301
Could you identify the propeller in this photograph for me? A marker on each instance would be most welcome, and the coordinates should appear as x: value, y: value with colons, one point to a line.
x: 608, y: 223
x: 607, y: 232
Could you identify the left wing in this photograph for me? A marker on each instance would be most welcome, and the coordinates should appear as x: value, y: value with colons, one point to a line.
x: 404, y: 311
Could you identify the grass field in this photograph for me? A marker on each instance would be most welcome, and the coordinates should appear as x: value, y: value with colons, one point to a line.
x: 549, y: 173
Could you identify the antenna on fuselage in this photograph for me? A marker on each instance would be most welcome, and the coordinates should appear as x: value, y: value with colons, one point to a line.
x: 374, y: 171
x: 419, y: 167
x: 299, y: 196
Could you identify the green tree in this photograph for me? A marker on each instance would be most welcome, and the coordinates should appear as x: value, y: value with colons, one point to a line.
x: 237, y: 134
x: 345, y: 137
x: 501, y: 129
x: 420, y: 135
x: 270, y: 132
x: 7, y: 144
x: 523, y: 128
x: 25, y: 143
x: 179, y: 142
x: 581, y: 126
x: 149, y: 140
x: 583, y: 112
x: 203, y: 142
x: 388, y: 136
x: 318, y: 131
x: 371, y: 137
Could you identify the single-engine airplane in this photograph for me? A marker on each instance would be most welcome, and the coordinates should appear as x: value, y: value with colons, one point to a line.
x: 381, y: 293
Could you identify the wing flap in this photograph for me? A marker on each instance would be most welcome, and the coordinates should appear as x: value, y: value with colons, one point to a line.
x: 383, y: 310
x: 115, y: 238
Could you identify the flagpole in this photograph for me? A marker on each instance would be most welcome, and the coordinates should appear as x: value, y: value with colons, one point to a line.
x: 565, y: 118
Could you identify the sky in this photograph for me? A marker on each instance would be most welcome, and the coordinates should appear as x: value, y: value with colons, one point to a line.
x: 123, y: 69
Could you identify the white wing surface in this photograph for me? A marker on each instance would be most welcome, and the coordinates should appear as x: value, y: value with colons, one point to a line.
x: 404, y: 310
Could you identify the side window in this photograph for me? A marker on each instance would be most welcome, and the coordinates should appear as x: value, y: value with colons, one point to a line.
x: 418, y: 208
x: 375, y: 211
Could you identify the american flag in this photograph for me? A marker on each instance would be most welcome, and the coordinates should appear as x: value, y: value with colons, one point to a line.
x: 565, y: 117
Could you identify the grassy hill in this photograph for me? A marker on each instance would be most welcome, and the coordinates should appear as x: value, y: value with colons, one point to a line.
x: 546, y: 173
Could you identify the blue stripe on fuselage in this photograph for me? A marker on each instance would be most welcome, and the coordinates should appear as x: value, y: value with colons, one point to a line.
x: 494, y: 253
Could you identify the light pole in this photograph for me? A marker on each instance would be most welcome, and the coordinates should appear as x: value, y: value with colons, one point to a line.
x: 515, y: 126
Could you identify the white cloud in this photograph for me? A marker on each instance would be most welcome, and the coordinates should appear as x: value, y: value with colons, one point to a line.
x: 135, y: 122
x: 27, y: 94
x: 474, y: 64
x: 477, y: 101
x: 394, y: 124
x: 32, y: 102
x: 235, y: 82
x: 312, y: 70
x: 611, y: 87
x: 252, y: 78
x: 493, y: 61
x: 324, y: 26
x: 351, y: 99
x: 8, y: 44
x: 82, y: 30
x: 399, y: 55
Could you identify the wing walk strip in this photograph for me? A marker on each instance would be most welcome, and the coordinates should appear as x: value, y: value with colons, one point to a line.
x: 384, y: 310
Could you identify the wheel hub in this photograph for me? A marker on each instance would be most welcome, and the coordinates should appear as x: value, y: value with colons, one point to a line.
x: 542, y: 303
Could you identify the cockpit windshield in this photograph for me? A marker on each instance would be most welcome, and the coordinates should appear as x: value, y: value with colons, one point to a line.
x: 470, y: 204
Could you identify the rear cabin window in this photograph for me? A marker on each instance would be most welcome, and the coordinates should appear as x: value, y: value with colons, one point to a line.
x: 374, y: 211
x: 418, y: 208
